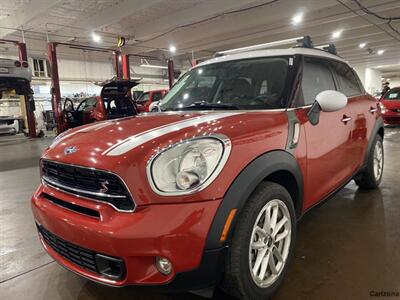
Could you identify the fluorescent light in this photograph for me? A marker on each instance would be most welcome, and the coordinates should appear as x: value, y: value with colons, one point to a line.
x: 297, y: 18
x: 153, y: 66
x: 172, y: 48
x: 362, y: 45
x: 379, y: 66
x: 380, y: 52
x: 95, y: 37
x: 336, y: 34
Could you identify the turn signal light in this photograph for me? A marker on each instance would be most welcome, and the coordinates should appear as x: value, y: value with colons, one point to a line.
x: 25, y: 64
x: 227, y: 225
x: 17, y: 63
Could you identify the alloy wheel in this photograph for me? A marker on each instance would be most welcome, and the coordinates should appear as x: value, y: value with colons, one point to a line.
x: 270, y: 243
x: 378, y: 160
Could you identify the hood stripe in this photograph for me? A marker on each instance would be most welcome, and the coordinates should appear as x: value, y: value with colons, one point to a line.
x: 143, y: 137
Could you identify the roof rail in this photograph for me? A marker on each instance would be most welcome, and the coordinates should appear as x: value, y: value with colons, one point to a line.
x: 302, y: 41
x: 330, y: 48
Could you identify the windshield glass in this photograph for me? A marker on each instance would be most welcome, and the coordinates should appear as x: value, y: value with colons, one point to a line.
x: 241, y: 84
x: 393, y: 94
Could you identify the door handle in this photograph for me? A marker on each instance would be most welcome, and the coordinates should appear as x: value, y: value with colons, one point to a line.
x: 346, y: 119
x: 372, y: 109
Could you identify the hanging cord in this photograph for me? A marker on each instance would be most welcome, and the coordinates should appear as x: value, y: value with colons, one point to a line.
x: 369, y: 12
x: 209, y: 19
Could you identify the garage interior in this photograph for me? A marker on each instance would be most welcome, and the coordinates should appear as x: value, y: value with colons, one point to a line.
x: 345, y: 248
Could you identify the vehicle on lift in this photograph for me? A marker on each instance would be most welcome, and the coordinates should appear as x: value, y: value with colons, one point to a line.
x: 114, y: 102
x: 15, y: 75
x: 208, y: 192
x: 390, y: 106
x: 147, y: 98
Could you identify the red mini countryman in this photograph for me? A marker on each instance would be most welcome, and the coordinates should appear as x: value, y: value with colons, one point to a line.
x: 207, y: 191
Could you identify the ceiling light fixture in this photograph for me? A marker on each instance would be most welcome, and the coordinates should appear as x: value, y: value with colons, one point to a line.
x: 362, y: 45
x: 172, y: 48
x: 297, y: 18
x: 380, y: 52
x: 336, y: 34
x: 95, y: 37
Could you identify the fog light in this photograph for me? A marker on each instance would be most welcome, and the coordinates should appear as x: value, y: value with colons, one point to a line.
x: 163, y: 265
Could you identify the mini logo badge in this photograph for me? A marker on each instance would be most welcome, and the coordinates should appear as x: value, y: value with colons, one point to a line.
x: 104, y: 187
x: 70, y: 150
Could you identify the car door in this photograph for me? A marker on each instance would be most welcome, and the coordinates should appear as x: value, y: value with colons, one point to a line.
x: 329, y: 157
x: 363, y: 108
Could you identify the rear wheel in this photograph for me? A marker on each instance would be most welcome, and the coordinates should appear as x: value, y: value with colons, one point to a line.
x: 371, y: 177
x: 262, y: 244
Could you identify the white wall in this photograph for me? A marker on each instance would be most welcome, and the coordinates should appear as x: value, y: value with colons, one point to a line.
x: 371, y: 79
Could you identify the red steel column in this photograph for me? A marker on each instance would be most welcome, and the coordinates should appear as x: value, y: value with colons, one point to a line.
x: 30, y: 116
x: 126, y: 72
x: 55, y: 87
x: 118, y: 64
x: 171, y: 76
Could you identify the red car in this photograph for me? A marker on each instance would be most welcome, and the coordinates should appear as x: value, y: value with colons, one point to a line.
x: 208, y: 191
x: 114, y: 102
x: 390, y: 106
x: 146, y: 99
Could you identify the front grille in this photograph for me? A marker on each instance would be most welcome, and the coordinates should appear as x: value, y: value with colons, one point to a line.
x: 79, y: 256
x: 90, y: 183
x: 104, y: 265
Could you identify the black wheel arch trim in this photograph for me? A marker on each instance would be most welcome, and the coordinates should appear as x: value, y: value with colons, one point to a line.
x: 378, y: 125
x: 245, y: 183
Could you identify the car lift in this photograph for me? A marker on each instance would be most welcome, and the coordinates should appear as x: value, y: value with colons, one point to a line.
x: 121, y: 67
x: 29, y: 102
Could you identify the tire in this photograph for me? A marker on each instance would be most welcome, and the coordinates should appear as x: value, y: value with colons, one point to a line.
x: 239, y: 279
x: 369, y: 178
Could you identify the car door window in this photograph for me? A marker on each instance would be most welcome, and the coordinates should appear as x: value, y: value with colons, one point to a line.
x: 143, y: 98
x: 348, y: 83
x: 157, y: 96
x: 317, y: 77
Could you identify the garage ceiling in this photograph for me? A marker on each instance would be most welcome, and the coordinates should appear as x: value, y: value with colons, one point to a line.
x: 206, y: 26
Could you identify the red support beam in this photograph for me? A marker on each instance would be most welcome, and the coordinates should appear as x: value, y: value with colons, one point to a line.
x: 29, y: 104
x: 118, y: 64
x: 126, y: 71
x: 171, y: 76
x: 55, y: 87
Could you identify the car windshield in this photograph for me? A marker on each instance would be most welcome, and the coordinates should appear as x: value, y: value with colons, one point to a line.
x: 393, y: 94
x: 240, y: 84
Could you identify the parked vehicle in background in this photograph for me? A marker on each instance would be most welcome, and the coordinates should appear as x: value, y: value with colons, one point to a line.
x: 10, y: 125
x: 209, y: 192
x: 114, y: 102
x: 15, y: 75
x: 147, y: 98
x: 390, y: 106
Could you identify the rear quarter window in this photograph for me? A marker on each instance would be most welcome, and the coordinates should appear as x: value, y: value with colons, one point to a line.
x: 348, y: 82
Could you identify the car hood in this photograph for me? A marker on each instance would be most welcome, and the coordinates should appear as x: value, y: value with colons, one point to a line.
x: 121, y: 136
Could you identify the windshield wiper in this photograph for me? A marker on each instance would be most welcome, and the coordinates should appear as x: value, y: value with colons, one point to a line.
x: 212, y: 106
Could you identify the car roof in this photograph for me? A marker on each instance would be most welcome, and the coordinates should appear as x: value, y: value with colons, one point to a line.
x: 270, y: 53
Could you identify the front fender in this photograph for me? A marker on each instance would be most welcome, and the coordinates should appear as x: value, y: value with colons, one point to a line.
x: 245, y: 183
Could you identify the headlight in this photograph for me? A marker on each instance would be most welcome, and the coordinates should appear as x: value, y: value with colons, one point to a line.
x: 188, y: 166
x: 383, y: 107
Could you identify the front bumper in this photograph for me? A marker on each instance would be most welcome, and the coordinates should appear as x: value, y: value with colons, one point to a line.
x: 175, y: 231
x: 391, y: 117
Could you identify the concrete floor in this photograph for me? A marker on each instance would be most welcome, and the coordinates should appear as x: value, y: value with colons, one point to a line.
x: 345, y: 248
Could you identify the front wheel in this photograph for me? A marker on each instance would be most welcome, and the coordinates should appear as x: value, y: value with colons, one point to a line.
x: 262, y: 244
x: 371, y: 177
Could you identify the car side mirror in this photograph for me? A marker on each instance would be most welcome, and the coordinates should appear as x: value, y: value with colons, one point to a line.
x: 326, y: 101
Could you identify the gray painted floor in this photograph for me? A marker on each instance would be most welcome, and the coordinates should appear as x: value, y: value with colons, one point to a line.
x: 345, y: 249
